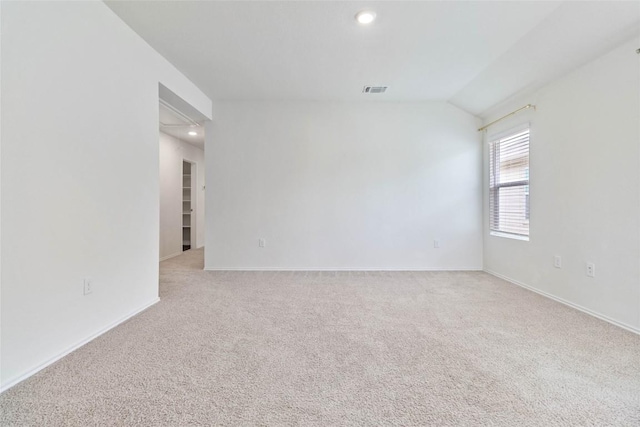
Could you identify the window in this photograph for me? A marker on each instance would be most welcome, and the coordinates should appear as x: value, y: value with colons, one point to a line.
x: 509, y: 185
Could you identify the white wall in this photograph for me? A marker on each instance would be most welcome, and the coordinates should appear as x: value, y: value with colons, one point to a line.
x: 172, y: 152
x: 585, y: 188
x: 80, y: 173
x: 343, y: 186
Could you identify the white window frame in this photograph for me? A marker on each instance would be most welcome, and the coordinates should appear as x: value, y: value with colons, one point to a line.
x: 491, y: 139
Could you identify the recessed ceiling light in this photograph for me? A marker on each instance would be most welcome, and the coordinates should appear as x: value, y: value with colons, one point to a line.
x: 365, y: 17
x: 193, y: 133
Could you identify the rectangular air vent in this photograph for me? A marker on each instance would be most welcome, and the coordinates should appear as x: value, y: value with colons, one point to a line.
x: 374, y: 89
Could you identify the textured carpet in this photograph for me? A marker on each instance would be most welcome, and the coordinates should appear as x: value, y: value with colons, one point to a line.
x: 326, y: 349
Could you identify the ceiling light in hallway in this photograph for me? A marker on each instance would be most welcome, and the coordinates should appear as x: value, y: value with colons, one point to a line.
x: 365, y: 17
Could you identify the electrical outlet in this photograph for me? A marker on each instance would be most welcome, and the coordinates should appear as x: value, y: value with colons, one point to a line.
x: 557, y: 261
x: 262, y: 243
x: 591, y: 269
x: 88, y: 286
x: 436, y: 243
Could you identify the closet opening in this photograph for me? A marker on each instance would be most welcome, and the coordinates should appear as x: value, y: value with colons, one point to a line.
x: 188, y: 223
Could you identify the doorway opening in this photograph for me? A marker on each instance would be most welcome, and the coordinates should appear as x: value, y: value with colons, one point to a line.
x: 182, y: 172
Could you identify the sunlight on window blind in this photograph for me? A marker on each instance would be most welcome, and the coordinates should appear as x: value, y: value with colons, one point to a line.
x: 509, y: 184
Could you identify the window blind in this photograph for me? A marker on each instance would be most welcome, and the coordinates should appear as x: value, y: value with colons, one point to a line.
x: 509, y: 184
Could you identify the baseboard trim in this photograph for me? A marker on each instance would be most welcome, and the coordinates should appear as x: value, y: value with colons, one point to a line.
x: 340, y: 269
x: 567, y: 303
x: 19, y: 379
x: 170, y: 256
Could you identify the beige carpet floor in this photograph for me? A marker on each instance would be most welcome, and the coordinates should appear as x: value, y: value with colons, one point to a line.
x: 332, y: 349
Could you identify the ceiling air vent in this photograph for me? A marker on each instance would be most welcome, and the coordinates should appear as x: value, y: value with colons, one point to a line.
x: 374, y: 89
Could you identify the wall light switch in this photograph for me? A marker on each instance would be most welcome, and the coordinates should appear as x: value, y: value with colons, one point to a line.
x: 262, y: 243
x: 436, y: 243
x: 557, y: 261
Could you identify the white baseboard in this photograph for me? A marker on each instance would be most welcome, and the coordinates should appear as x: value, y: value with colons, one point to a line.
x: 339, y: 269
x: 14, y: 381
x: 170, y: 256
x: 567, y: 303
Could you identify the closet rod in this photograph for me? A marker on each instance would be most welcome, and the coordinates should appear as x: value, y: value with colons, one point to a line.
x: 182, y: 115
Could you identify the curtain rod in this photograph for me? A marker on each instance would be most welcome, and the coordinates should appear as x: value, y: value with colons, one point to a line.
x: 526, y: 107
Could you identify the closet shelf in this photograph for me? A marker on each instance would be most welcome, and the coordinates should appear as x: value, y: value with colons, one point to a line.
x: 188, y: 180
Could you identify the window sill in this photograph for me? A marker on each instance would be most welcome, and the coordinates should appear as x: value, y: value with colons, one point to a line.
x: 509, y: 236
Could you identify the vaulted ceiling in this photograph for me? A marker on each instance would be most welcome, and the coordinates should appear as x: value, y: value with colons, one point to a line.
x: 472, y: 54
